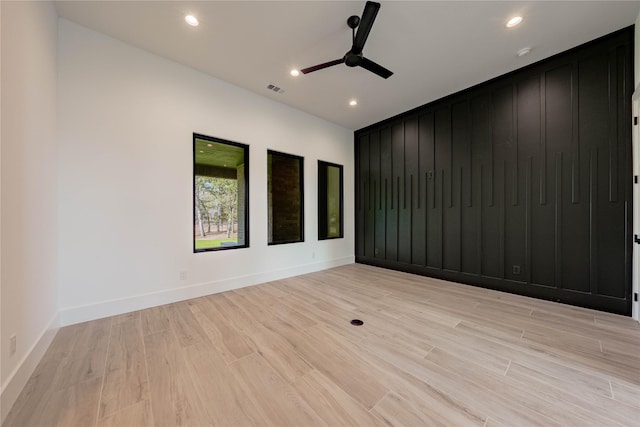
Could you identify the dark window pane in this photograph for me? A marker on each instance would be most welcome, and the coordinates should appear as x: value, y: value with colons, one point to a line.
x: 330, y: 217
x: 286, y: 199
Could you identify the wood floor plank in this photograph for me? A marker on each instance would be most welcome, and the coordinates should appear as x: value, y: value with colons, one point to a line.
x: 485, y: 384
x: 281, y: 356
x: 281, y: 405
x: 126, y: 317
x: 284, y: 353
x: 333, y: 404
x: 323, y: 351
x: 567, y: 378
x: 86, y: 360
x: 69, y: 360
x: 396, y: 367
x: 240, y: 317
x: 154, y: 320
x: 326, y: 315
x: 466, y: 391
x: 399, y: 412
x: 477, y: 350
x: 223, y: 394
x: 626, y: 393
x: 185, y: 325
x: 229, y: 342
x: 292, y: 315
x: 125, y: 379
x: 75, y: 405
x: 38, y: 389
x: 586, y: 353
x: 489, y: 330
x: 136, y: 415
x: 273, y: 348
x: 174, y: 401
x: 577, y: 401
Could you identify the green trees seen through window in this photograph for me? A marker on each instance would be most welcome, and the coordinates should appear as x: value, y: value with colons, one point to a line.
x: 220, y: 194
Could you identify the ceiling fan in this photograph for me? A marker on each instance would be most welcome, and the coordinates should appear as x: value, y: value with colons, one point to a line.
x: 354, y: 57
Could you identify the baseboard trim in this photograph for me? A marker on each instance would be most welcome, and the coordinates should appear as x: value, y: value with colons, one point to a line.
x: 72, y: 315
x: 12, y: 388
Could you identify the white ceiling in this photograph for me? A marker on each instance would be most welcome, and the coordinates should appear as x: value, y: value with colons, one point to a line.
x: 433, y: 48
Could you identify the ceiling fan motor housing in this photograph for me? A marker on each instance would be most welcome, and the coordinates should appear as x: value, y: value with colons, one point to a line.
x: 353, y: 21
x: 352, y: 60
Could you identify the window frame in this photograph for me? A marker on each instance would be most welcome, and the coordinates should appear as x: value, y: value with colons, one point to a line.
x: 245, y: 147
x: 300, y: 186
x: 323, y: 200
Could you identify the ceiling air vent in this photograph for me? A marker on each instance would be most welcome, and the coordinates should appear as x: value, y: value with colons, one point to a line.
x: 275, y: 88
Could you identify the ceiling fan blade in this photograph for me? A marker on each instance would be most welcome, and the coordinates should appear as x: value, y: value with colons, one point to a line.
x: 368, y: 64
x: 321, y: 66
x: 366, y: 22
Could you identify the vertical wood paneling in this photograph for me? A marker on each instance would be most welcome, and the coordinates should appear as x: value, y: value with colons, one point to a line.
x: 519, y: 183
x: 427, y: 159
x: 575, y: 130
x: 391, y: 226
x: 479, y: 227
x: 593, y: 232
x: 575, y: 217
x: 417, y: 224
x: 538, y: 246
x: 482, y: 164
x: 491, y: 227
x: 558, y: 221
x: 362, y: 165
x: 613, y: 129
x: 502, y: 188
x: 434, y: 223
x: 514, y: 152
x: 543, y: 140
x: 461, y: 160
x: 374, y: 194
x: 400, y: 166
x: 444, y: 165
x: 528, y: 185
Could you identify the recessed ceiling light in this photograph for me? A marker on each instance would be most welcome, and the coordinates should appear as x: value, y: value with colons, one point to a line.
x: 353, y: 102
x: 209, y: 145
x: 201, y: 151
x: 294, y: 73
x: 524, y: 51
x: 191, y: 20
x: 514, y: 21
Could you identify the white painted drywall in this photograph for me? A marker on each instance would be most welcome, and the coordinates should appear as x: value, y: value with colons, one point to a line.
x: 126, y: 119
x: 29, y: 298
x: 636, y: 53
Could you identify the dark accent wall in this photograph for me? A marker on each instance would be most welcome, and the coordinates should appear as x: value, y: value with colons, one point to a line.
x: 520, y: 184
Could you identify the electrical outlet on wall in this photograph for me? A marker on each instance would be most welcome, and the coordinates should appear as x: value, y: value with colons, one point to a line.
x: 516, y: 269
x: 12, y: 345
x: 183, y: 275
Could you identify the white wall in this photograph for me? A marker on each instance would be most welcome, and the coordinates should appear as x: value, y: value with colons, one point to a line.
x: 126, y: 119
x: 636, y: 53
x: 29, y: 192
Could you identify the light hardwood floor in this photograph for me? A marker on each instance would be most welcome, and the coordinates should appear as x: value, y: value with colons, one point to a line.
x: 284, y: 354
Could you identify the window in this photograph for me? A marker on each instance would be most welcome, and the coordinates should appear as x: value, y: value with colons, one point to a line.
x: 220, y: 194
x: 330, y: 200
x: 286, y: 198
